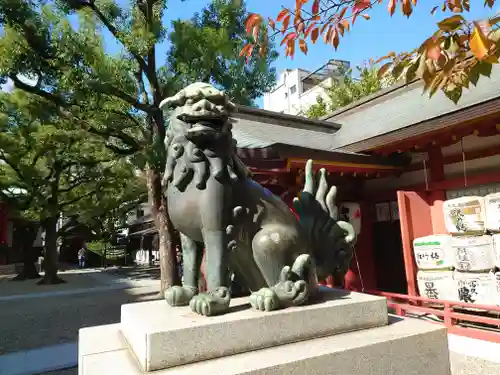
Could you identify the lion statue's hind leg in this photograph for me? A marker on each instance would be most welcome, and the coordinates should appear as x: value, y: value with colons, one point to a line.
x: 287, y: 285
x: 294, y: 288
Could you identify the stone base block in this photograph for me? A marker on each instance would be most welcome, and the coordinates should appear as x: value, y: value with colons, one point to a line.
x: 161, y: 336
x: 405, y: 346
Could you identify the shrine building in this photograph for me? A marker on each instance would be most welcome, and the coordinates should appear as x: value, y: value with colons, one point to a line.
x: 395, y: 157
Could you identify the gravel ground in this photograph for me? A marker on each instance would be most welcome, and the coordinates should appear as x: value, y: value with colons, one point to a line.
x: 34, y: 323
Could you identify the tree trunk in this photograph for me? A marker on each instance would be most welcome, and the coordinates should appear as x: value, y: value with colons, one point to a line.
x: 51, y: 255
x: 25, y: 236
x: 168, y: 261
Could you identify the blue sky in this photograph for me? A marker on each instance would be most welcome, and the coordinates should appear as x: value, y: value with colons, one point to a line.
x: 367, y: 39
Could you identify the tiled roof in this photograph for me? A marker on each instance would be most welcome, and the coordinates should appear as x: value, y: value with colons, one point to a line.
x: 244, y: 140
x: 256, y: 134
x: 389, y: 116
x: 255, y: 128
x: 395, y: 109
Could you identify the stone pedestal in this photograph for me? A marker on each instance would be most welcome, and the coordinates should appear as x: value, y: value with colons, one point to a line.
x: 339, y: 334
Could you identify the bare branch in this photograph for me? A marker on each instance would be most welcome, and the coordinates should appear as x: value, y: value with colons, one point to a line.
x: 145, y: 107
x: 125, y: 138
x: 121, y: 151
x: 37, y: 91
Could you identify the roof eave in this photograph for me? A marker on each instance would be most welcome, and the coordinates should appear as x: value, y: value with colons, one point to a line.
x: 291, y: 120
x: 369, y: 98
x: 289, y: 151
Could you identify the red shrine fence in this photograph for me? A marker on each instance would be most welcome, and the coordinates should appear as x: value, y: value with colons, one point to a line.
x: 465, y: 319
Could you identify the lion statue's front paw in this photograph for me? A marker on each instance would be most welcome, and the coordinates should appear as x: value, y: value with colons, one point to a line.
x: 180, y: 295
x: 212, y: 303
x: 265, y: 299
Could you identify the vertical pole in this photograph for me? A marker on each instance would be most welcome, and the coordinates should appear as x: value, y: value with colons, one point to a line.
x: 448, y: 322
x: 3, y: 223
x: 436, y: 166
x: 436, y: 197
x: 105, y: 253
x: 406, y: 233
x: 365, y: 265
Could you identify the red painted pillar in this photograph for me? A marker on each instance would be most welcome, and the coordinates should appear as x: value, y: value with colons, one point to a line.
x: 435, y: 165
x: 363, y: 277
x: 421, y: 214
x: 414, y: 213
x: 436, y: 197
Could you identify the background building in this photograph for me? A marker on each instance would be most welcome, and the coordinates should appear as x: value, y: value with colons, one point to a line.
x: 142, y: 235
x: 298, y: 89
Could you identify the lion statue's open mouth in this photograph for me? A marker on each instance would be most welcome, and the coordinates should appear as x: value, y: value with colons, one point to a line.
x: 203, y: 130
x: 204, y: 109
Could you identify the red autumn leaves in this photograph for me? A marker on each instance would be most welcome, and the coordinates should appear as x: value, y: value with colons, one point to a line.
x: 443, y: 60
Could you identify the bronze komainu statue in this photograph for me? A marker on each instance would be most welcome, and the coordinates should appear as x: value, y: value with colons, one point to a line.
x: 214, y: 204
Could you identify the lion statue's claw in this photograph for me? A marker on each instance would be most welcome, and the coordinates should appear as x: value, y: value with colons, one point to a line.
x: 265, y: 299
x: 180, y: 295
x: 211, y: 303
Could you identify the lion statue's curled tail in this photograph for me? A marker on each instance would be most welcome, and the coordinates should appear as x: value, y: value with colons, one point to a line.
x: 332, y: 240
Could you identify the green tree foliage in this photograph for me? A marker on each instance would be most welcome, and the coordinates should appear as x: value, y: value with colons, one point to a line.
x: 349, y: 90
x: 207, y: 47
x: 60, y: 46
x: 107, y: 211
x: 58, y: 167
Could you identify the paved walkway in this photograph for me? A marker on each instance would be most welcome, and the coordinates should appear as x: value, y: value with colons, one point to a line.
x: 36, y: 361
x: 466, y: 346
x: 482, y: 359
x: 465, y: 365
x: 42, y: 318
x: 78, y: 282
x: 41, y: 337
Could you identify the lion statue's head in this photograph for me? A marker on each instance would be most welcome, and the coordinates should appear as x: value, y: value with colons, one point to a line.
x: 199, y: 140
x: 200, y: 113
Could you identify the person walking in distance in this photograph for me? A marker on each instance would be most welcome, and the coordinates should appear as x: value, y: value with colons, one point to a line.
x: 81, y: 257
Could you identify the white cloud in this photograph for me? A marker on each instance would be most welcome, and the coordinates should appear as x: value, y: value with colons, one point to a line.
x: 9, y: 85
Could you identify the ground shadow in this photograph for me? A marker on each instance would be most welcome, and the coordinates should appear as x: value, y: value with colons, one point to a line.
x: 242, y: 307
x: 326, y: 294
x: 136, y: 272
x: 393, y: 319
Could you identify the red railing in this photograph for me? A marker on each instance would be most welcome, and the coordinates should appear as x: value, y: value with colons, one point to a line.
x: 465, y: 323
